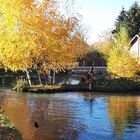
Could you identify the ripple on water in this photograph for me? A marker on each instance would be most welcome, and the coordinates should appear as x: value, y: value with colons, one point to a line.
x: 73, y: 116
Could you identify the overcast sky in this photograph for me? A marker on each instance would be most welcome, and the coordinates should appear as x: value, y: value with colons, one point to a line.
x: 99, y: 15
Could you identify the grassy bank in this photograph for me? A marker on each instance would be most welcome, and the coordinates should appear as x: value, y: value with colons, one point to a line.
x: 117, y: 85
x: 55, y: 88
x: 7, y: 129
x: 102, y: 85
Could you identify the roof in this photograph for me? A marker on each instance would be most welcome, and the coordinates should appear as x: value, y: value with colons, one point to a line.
x: 135, y: 38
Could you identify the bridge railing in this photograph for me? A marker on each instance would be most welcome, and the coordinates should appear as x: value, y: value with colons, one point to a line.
x: 96, y: 69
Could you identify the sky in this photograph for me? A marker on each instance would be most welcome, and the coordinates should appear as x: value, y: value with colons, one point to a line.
x: 100, y: 15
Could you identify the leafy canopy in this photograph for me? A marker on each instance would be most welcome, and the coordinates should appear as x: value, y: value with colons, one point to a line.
x: 120, y: 63
x: 33, y: 33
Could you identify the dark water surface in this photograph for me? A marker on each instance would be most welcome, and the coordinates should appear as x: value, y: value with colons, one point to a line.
x: 73, y: 116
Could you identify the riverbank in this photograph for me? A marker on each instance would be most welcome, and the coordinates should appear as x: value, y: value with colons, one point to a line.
x: 56, y: 88
x: 102, y: 85
x: 117, y: 85
x: 7, y: 129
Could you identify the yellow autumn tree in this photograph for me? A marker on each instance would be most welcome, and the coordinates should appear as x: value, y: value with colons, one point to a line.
x: 120, y: 63
x: 33, y: 32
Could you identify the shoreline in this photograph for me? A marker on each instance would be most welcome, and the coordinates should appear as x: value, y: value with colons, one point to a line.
x: 75, y: 88
x: 7, y: 128
x: 122, y: 85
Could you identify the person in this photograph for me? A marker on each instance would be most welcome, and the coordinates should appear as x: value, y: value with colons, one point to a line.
x: 90, y: 75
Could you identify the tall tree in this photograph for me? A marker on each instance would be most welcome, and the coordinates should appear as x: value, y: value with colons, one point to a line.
x: 133, y: 22
x: 36, y: 33
x: 130, y: 19
x: 120, y: 61
x: 121, y: 19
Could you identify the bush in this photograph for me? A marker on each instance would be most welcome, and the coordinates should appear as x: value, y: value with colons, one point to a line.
x: 20, y: 85
x: 4, y: 121
x: 119, y: 84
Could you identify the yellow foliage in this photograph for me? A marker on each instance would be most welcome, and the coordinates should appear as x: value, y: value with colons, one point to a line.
x: 32, y: 33
x: 120, y: 62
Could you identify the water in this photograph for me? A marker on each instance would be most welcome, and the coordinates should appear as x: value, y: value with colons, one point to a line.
x: 73, y: 116
x: 59, y: 79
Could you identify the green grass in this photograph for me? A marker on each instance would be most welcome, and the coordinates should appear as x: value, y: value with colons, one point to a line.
x: 4, y: 121
x: 104, y: 85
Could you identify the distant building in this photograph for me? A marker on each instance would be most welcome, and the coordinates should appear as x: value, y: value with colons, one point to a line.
x: 94, y: 57
x: 135, y: 47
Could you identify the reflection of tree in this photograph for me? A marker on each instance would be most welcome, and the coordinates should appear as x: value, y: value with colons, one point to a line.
x: 15, y: 108
x: 2, y: 97
x: 55, y: 117
x: 67, y: 79
x: 90, y: 98
x: 122, y: 111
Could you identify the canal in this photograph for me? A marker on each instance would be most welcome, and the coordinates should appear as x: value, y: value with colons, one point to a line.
x: 73, y: 116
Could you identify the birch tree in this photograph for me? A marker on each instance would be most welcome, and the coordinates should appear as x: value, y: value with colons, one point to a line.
x: 34, y: 33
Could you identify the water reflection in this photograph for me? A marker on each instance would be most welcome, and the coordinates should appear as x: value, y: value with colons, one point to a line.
x: 73, y: 116
x: 59, y: 79
x: 55, y: 117
x: 90, y: 98
x: 124, y: 113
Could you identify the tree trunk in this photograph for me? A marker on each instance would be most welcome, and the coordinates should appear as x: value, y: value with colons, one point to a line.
x: 3, y: 80
x: 39, y: 78
x: 28, y: 78
x: 83, y: 63
x: 49, y: 77
x: 53, y: 80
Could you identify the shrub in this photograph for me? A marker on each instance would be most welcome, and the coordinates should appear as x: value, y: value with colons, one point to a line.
x: 4, y: 121
x: 119, y: 84
x: 20, y: 85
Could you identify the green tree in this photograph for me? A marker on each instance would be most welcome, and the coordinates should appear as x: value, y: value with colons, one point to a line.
x: 122, y: 19
x: 130, y: 19
x: 120, y: 63
x: 133, y: 22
